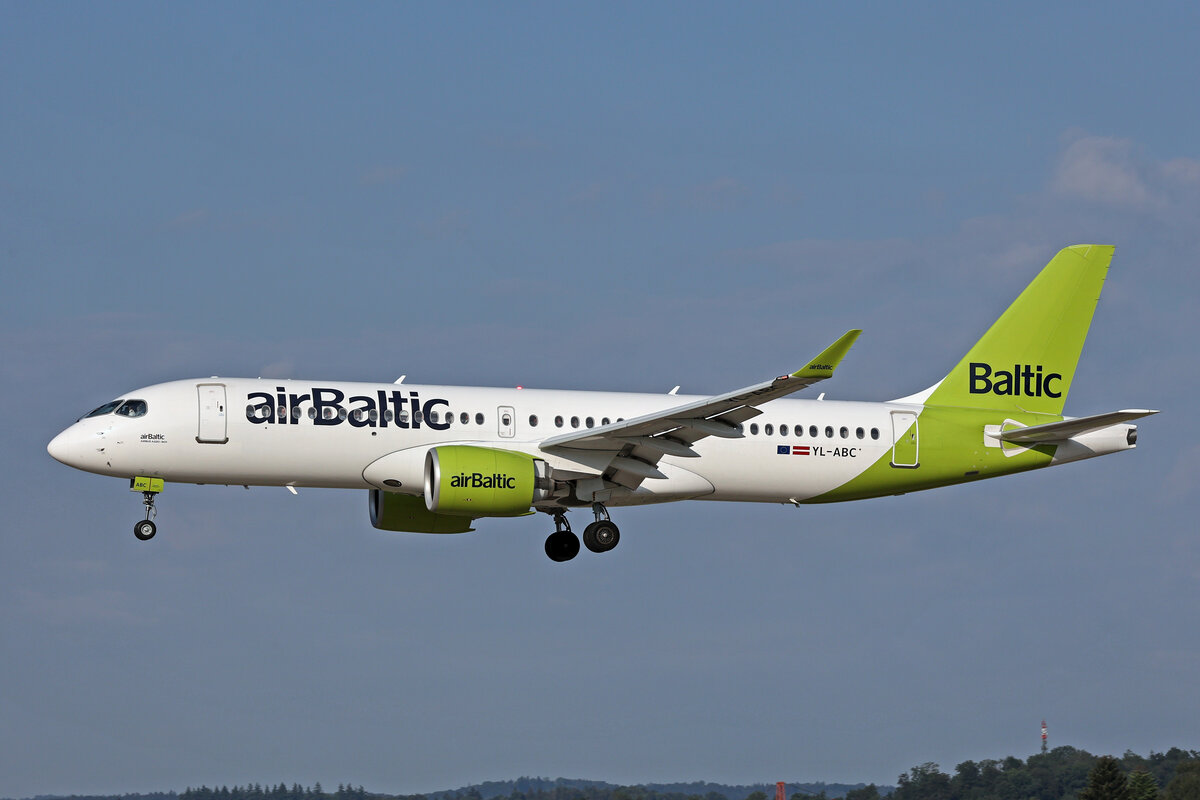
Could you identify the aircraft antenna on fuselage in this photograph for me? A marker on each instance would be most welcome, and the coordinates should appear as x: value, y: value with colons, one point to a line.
x: 401, y: 379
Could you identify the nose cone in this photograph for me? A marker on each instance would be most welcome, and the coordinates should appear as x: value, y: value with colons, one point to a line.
x: 71, y: 447
x: 60, y: 448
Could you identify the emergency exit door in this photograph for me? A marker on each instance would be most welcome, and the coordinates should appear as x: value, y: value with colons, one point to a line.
x: 213, y: 414
x: 506, y: 422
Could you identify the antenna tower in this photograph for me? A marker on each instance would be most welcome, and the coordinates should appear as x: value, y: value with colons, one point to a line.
x: 1043, y: 737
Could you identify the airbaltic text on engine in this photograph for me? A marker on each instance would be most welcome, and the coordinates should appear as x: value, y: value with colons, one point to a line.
x: 332, y: 407
x: 477, y: 480
x: 1023, y: 376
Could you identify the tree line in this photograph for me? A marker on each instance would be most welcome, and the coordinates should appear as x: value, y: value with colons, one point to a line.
x: 1064, y: 773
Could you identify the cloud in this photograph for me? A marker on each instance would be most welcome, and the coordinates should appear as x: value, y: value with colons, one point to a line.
x: 1103, y: 170
x: 1183, y: 171
x: 1114, y: 172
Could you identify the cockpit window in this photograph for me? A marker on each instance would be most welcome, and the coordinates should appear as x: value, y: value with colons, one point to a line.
x: 132, y: 408
x: 107, y: 408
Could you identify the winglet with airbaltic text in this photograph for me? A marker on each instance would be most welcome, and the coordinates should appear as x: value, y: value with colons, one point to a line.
x: 823, y: 365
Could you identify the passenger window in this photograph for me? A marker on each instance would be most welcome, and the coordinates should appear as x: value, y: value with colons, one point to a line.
x: 858, y: 432
x: 464, y: 418
x: 312, y: 413
x: 574, y: 422
x: 387, y: 415
x: 845, y: 432
x: 478, y: 418
x: 812, y: 431
x: 604, y: 421
x: 828, y: 431
x: 433, y: 417
x: 533, y: 420
x: 589, y: 422
x: 754, y: 429
x: 296, y: 412
x: 373, y: 415
x: 768, y: 429
x: 558, y: 421
x: 341, y: 414
x: 783, y: 430
x: 874, y: 433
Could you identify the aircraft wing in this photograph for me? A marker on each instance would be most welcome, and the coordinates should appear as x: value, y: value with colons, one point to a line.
x: 1061, y: 431
x: 636, y: 445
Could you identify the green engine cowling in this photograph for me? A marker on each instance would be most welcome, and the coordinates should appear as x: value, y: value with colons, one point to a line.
x: 404, y: 512
x: 467, y: 481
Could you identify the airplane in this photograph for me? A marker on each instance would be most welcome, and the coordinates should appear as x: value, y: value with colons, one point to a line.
x: 433, y: 459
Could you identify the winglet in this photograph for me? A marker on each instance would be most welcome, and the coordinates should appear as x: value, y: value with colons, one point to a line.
x: 823, y: 365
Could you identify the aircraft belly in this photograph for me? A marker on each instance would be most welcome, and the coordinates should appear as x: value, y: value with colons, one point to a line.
x: 765, y: 473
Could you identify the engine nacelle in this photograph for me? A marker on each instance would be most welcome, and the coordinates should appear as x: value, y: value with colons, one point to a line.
x: 463, y: 480
x: 404, y: 512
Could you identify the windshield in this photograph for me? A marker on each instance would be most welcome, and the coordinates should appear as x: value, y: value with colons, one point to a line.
x: 132, y: 408
x: 107, y: 408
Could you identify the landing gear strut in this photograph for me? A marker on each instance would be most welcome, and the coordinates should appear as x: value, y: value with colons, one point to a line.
x: 563, y: 544
x: 145, y: 529
x: 602, y: 535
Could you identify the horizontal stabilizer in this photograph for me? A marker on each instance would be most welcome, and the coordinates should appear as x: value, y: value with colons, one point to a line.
x: 1061, y: 431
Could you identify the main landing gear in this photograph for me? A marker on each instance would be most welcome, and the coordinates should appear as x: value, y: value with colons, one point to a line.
x: 563, y: 544
x: 599, y: 536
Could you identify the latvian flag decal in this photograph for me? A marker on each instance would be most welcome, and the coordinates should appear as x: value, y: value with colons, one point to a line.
x: 793, y: 450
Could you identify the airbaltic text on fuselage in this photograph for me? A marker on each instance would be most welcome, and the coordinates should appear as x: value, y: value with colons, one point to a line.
x: 331, y: 407
x: 1024, y: 380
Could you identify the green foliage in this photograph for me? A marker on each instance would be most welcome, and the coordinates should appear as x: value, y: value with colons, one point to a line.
x: 1185, y: 785
x: 1106, y: 782
x: 1142, y: 785
x: 868, y: 792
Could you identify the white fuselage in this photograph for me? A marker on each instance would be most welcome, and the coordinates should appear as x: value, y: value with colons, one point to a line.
x: 334, y: 434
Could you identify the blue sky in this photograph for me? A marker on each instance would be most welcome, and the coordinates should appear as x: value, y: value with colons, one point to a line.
x: 607, y: 196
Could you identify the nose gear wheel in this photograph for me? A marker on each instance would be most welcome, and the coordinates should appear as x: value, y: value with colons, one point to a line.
x: 144, y: 529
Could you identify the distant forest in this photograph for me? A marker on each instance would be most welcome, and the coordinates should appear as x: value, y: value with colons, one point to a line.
x: 1064, y: 773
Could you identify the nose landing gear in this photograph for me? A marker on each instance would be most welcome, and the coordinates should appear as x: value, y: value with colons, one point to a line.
x: 144, y: 529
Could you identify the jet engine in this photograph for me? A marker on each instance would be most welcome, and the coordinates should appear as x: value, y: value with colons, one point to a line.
x: 468, y: 481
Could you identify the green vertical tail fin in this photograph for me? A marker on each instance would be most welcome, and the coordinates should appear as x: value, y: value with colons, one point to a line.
x: 1027, y: 358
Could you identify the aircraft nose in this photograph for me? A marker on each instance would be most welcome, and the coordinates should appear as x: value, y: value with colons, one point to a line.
x: 60, y: 447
